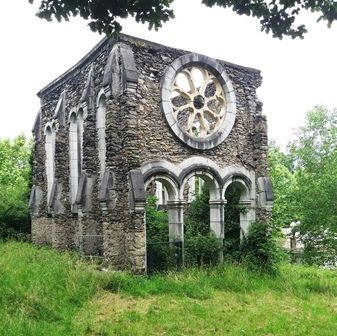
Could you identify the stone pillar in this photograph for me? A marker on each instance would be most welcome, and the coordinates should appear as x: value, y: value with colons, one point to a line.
x: 175, y: 211
x: 216, y: 209
x: 137, y: 240
x: 246, y: 218
x: 217, y: 222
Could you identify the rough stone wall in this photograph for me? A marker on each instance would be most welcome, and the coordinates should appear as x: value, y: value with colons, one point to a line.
x: 157, y: 140
x: 136, y: 132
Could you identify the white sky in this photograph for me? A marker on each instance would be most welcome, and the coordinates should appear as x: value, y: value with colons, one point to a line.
x: 297, y: 74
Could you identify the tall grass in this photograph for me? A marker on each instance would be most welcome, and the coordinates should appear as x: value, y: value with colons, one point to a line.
x: 41, y: 290
x: 44, y: 292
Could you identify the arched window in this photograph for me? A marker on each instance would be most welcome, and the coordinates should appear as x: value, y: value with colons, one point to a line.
x: 74, y: 159
x: 50, y: 158
x: 80, y: 130
x: 75, y: 151
x: 100, y: 125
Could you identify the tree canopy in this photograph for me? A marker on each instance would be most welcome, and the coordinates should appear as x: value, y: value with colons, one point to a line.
x: 305, y: 184
x: 277, y: 17
x: 314, y: 152
x: 15, y: 179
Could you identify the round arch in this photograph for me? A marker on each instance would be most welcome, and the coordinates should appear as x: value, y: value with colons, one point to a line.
x: 247, y: 199
x: 168, y: 182
x: 206, y: 174
x: 242, y: 183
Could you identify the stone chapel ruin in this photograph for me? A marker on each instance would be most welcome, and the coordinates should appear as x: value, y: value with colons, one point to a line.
x: 132, y: 113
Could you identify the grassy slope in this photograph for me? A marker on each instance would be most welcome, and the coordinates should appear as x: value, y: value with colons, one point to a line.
x: 43, y: 292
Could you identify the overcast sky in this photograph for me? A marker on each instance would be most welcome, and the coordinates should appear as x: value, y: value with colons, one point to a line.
x: 297, y: 74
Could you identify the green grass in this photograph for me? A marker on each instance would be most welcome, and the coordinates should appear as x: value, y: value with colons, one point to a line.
x: 43, y: 292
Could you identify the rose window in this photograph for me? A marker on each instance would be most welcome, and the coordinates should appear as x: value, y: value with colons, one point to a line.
x: 198, y: 102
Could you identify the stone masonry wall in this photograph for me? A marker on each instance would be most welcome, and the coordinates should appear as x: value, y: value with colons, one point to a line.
x: 136, y: 133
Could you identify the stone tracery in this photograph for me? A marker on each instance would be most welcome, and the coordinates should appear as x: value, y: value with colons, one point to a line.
x: 198, y: 101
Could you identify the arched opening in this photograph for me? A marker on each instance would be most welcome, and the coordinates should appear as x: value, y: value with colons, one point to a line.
x: 233, y: 209
x: 203, y: 219
x: 80, y: 131
x: 163, y: 221
x: 238, y: 214
x: 100, y: 126
x: 50, y: 159
x: 73, y: 152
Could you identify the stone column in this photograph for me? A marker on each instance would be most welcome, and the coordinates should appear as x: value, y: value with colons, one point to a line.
x: 175, y: 211
x: 217, y: 222
x: 137, y: 239
x: 246, y: 218
x: 216, y: 209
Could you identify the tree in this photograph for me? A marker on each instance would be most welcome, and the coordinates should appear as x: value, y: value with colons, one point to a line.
x: 283, y: 181
x: 274, y: 16
x: 314, y: 152
x: 15, y: 178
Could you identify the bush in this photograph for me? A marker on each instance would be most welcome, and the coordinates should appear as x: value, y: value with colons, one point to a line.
x: 259, y: 250
x: 202, y: 250
x: 320, y: 248
x: 160, y: 255
x: 200, y: 247
x: 232, y: 228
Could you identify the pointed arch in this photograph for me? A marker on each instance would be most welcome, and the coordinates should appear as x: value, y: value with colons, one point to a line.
x: 73, y: 155
x: 101, y: 129
x: 50, y: 135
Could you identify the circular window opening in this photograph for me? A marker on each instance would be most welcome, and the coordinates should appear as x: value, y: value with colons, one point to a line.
x: 198, y: 101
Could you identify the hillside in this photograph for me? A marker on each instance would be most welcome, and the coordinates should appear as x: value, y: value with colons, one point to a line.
x: 44, y: 292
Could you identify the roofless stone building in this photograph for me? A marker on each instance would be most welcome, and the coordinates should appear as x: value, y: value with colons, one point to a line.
x: 132, y: 112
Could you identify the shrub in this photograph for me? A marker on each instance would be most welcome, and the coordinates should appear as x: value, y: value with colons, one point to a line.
x: 232, y: 223
x: 259, y: 250
x: 200, y: 247
x: 202, y: 250
x: 160, y: 255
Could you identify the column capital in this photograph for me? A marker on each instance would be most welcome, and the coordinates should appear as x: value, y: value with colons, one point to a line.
x: 176, y: 204
x: 217, y: 202
x: 245, y: 202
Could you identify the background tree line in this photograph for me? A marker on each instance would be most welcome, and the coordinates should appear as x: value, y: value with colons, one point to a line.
x: 15, y: 184
x: 304, y: 179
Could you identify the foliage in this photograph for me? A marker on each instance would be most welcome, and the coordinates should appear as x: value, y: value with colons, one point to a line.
x: 201, y: 247
x: 202, y: 250
x: 156, y: 222
x: 15, y: 179
x: 284, y: 186
x: 259, y: 250
x: 304, y: 182
x: 314, y: 152
x: 232, y: 222
x: 277, y: 17
x: 44, y: 292
x: 160, y: 255
x: 197, y: 219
